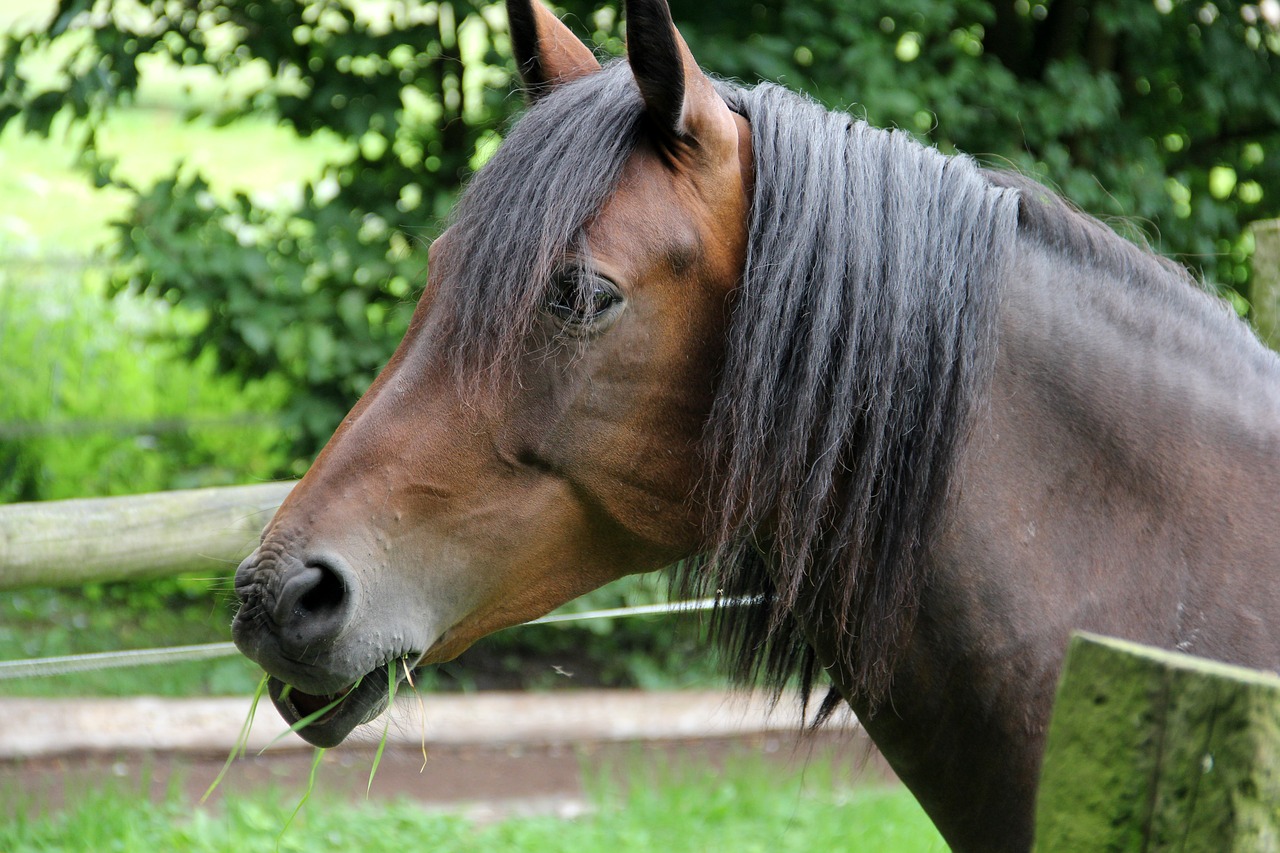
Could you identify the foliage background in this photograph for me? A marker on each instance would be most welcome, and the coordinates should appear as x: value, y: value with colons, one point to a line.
x: 1162, y: 117
x: 1161, y: 112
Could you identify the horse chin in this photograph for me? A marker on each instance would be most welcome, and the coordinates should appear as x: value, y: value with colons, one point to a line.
x: 352, y: 706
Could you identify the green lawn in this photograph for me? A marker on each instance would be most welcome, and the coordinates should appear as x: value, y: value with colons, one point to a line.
x: 48, y: 206
x: 748, y: 807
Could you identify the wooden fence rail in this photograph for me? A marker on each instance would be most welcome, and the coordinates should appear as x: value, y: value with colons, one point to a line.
x: 66, y: 543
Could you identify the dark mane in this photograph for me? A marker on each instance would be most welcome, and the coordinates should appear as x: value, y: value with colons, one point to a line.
x: 862, y: 337
x: 1046, y: 217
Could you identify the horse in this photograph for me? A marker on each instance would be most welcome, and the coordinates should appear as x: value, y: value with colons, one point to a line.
x: 912, y: 421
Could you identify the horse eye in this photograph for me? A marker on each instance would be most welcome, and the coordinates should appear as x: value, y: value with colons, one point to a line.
x: 578, y: 298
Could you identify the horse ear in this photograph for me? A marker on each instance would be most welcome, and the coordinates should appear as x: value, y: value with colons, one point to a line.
x: 679, y: 98
x: 547, y: 52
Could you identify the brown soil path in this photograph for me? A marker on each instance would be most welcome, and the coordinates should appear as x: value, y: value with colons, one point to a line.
x: 488, y: 755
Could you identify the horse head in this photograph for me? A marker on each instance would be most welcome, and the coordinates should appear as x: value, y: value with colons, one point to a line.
x: 538, y: 431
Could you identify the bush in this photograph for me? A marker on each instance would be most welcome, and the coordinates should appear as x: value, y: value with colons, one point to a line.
x: 1161, y: 113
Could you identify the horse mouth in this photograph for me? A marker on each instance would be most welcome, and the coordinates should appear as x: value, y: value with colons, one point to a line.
x: 327, y: 719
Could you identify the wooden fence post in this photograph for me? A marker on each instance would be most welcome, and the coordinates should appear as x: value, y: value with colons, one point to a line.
x: 63, y: 543
x: 1265, y: 282
x: 1151, y: 750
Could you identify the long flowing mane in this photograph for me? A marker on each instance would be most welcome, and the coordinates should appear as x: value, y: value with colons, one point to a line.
x: 861, y: 341
x: 862, y: 337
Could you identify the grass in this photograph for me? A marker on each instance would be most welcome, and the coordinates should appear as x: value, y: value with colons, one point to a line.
x: 747, y: 807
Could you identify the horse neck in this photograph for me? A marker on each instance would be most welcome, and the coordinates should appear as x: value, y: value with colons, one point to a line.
x: 1119, y: 477
x: 1128, y: 446
x: 1150, y: 377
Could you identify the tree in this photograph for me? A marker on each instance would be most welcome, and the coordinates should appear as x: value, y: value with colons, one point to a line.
x: 1167, y: 114
x: 320, y: 293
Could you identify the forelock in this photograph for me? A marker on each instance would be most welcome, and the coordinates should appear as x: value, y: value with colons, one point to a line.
x: 528, y: 206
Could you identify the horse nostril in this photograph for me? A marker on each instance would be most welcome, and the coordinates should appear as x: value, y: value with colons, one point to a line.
x: 328, y: 593
x: 312, y: 601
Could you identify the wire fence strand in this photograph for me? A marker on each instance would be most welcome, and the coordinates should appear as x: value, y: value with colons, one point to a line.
x: 68, y: 664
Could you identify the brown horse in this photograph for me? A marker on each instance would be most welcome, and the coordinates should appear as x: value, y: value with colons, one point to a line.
x: 926, y: 417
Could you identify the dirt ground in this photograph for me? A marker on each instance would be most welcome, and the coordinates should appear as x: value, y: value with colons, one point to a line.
x: 483, y: 782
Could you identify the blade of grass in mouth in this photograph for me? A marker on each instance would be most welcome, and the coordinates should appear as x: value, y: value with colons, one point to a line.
x: 386, y: 729
x: 242, y: 741
x: 422, y: 709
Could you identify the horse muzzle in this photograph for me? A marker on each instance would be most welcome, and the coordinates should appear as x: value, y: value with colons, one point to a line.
x: 299, y: 620
x: 293, y: 611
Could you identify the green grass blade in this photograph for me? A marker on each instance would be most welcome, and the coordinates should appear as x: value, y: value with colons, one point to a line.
x: 386, y: 729
x: 377, y: 759
x: 242, y: 742
x: 306, y: 795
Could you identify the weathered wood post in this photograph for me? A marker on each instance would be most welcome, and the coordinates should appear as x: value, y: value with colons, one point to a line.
x: 63, y: 543
x: 1151, y: 750
x: 1265, y: 281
